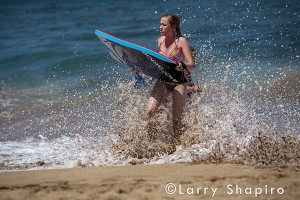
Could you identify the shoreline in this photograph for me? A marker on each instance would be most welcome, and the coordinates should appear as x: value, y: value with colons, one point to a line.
x: 165, y: 181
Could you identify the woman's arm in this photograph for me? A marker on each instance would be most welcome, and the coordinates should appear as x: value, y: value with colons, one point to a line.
x: 185, y: 47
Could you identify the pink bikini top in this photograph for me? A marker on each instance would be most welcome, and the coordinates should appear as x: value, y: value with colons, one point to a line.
x: 176, y: 54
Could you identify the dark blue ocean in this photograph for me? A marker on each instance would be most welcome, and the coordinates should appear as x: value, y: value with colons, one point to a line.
x: 64, y: 101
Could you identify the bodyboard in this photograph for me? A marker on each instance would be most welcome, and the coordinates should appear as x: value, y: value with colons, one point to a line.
x: 141, y: 58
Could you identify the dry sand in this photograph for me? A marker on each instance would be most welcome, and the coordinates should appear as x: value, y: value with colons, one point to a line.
x: 191, y: 181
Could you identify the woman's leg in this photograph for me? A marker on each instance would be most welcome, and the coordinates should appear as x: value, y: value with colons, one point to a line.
x: 159, y: 91
x: 179, y: 99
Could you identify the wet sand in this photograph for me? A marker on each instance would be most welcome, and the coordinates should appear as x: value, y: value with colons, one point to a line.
x: 167, y: 181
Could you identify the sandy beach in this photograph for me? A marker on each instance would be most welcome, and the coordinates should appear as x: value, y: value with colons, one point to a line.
x: 167, y: 181
x: 73, y: 128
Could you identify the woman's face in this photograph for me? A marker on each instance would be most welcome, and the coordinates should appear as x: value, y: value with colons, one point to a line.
x: 165, y: 27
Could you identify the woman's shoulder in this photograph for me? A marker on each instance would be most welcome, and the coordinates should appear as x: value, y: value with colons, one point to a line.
x: 182, y: 39
x: 160, y: 39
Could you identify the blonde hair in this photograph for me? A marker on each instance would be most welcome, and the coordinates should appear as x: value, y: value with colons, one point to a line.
x: 175, y: 23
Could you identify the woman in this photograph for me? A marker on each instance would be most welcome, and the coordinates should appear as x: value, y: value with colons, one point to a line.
x: 173, y: 45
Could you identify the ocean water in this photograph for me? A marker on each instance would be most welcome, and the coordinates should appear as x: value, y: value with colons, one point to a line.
x: 64, y: 102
